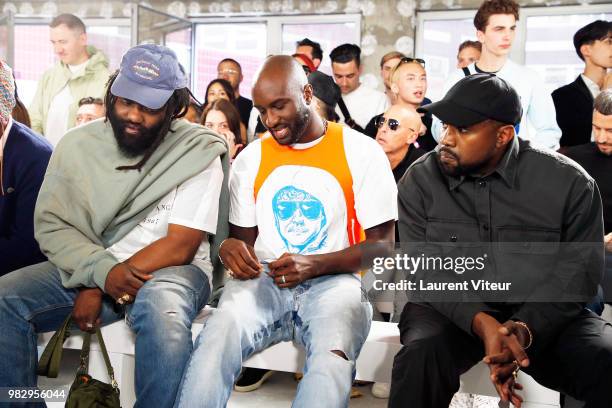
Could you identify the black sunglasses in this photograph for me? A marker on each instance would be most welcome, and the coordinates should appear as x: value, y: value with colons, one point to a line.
x: 393, y: 124
x: 406, y: 60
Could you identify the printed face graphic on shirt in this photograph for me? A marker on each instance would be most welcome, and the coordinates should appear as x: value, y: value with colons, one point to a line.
x: 300, y: 220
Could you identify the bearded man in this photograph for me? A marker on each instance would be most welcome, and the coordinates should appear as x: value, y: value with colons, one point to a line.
x: 285, y: 190
x: 124, y: 215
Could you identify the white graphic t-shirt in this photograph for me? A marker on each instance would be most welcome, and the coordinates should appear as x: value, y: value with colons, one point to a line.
x: 302, y: 209
x: 193, y: 204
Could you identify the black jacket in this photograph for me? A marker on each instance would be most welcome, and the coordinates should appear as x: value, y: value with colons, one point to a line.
x: 532, y: 197
x: 574, y: 107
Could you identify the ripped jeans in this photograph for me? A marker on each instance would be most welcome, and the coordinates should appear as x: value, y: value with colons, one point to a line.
x: 326, y: 314
x: 33, y: 300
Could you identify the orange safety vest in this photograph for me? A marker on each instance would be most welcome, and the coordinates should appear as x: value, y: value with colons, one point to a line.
x: 327, y: 155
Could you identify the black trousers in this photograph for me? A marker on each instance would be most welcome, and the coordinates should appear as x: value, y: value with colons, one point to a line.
x: 436, y: 352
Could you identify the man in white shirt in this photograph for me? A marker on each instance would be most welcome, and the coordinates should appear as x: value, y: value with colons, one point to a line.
x: 495, y: 23
x: 81, y: 71
x: 306, y: 199
x: 362, y: 103
x: 574, y: 102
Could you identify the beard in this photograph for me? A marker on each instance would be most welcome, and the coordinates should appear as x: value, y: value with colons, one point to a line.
x: 133, y: 145
x: 455, y: 168
x: 302, y: 120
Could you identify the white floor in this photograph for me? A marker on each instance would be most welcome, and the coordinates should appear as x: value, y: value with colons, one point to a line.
x: 279, y: 391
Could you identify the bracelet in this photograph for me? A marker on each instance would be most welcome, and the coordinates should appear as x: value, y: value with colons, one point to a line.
x: 219, y: 253
x: 528, y: 331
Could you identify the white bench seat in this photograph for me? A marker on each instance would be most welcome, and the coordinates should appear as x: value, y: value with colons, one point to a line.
x: 374, y: 363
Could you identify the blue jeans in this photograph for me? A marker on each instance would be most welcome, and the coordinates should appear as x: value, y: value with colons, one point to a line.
x: 33, y: 300
x: 326, y: 314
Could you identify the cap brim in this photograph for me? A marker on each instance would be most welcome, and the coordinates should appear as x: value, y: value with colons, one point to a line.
x: 453, y: 114
x: 146, y: 96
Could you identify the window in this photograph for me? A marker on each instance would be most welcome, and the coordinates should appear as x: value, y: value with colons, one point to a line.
x: 549, y: 47
x: 440, y: 40
x: 34, y: 53
x: 244, y: 42
x: 250, y: 39
x: 329, y: 35
x: 543, y: 41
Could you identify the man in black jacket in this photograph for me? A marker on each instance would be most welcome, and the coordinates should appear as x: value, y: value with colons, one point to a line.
x: 574, y: 101
x: 484, y: 185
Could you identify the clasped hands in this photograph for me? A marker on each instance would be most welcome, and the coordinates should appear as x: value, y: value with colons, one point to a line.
x: 505, y: 354
x: 287, y: 271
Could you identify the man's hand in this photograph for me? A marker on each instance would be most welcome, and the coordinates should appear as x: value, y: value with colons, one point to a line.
x: 240, y: 259
x: 292, y: 269
x: 124, y: 279
x: 87, y: 307
x: 503, y: 346
x: 608, y: 242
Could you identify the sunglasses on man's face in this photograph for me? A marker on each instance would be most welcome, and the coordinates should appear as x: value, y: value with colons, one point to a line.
x: 392, y: 124
x: 407, y: 60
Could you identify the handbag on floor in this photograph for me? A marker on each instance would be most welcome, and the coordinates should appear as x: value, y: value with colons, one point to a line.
x: 85, y: 392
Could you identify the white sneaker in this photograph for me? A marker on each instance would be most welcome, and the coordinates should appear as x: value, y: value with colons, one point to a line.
x: 381, y: 389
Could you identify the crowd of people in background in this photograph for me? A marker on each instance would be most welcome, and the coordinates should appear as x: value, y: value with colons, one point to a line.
x: 497, y: 151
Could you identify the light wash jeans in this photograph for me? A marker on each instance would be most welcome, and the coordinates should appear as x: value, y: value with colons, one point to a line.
x: 33, y: 300
x: 323, y: 314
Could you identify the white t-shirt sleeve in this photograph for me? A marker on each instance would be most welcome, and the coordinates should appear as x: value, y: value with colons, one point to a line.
x: 373, y: 182
x: 196, y: 204
x: 242, y: 181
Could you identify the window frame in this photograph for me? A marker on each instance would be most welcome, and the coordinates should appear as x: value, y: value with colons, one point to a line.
x: 518, y: 49
x: 274, y: 24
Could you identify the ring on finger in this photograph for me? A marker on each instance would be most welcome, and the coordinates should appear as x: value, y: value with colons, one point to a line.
x: 516, y: 369
x: 283, y: 280
x: 125, y: 299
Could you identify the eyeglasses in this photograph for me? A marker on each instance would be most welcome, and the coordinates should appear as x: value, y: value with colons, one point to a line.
x: 407, y: 60
x: 393, y: 124
x: 228, y: 72
x: 311, y: 210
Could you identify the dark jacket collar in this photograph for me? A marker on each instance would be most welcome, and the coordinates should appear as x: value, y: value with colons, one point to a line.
x: 583, y: 88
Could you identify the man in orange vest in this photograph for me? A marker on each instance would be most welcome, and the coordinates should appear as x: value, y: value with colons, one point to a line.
x: 305, y: 200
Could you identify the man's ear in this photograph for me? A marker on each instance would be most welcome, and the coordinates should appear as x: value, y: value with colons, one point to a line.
x: 394, y: 88
x: 585, y: 50
x: 505, y: 135
x: 480, y: 36
x: 316, y: 62
x: 308, y: 93
x: 83, y: 39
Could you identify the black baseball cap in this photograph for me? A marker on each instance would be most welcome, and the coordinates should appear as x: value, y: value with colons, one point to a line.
x: 324, y: 88
x: 476, y: 98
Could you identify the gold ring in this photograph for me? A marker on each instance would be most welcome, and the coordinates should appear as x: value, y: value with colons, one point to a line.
x: 124, y: 299
x: 283, y: 281
x: 516, y: 369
